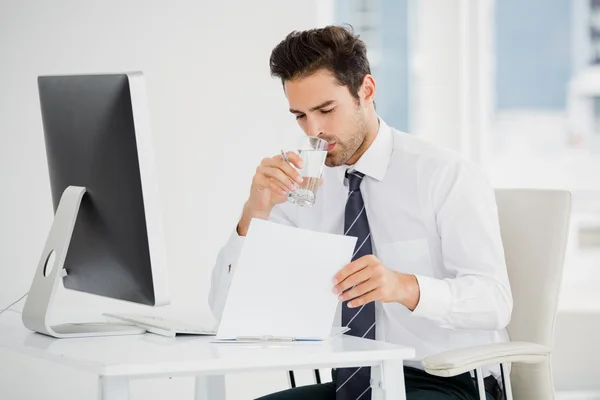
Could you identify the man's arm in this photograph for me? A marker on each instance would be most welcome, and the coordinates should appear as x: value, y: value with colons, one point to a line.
x: 478, y: 296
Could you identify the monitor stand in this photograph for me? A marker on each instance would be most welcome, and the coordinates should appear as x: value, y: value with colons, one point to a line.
x: 47, y: 279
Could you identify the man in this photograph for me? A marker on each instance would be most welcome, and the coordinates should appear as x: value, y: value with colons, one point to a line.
x: 429, y: 268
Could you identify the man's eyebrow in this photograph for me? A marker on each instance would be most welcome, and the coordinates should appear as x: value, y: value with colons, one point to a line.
x: 325, y: 104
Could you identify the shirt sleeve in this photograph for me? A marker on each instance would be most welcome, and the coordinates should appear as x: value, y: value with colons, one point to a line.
x: 478, y: 296
x: 227, y: 258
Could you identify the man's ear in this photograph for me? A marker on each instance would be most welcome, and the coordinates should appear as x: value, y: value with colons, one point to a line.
x: 368, y: 89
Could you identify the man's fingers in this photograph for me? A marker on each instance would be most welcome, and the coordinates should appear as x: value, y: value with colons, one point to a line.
x: 277, y: 188
x: 359, y: 290
x: 279, y: 185
x: 365, y: 298
x: 352, y: 268
x: 278, y: 162
x: 277, y: 174
x: 295, y: 159
x: 356, y: 278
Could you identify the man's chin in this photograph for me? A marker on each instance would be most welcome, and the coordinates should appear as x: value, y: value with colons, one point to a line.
x: 333, y: 161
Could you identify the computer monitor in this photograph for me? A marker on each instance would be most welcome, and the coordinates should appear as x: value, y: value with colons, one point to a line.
x: 107, y: 237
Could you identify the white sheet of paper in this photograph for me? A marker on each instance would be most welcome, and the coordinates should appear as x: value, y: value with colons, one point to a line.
x: 282, y: 285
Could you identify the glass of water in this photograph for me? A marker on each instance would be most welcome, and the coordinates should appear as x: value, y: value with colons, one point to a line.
x: 313, y: 151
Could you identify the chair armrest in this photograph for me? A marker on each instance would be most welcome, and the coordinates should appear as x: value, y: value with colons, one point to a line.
x: 455, y: 362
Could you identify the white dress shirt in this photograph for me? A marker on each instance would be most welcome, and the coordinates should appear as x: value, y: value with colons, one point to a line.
x: 431, y: 214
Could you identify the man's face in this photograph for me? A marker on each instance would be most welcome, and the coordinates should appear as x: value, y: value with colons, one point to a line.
x: 327, y: 110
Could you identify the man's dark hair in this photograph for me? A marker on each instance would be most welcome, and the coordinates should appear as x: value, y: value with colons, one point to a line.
x: 334, y: 48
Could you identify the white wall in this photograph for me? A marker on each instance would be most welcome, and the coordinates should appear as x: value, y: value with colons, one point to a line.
x: 435, y: 85
x: 451, y: 87
x: 215, y: 113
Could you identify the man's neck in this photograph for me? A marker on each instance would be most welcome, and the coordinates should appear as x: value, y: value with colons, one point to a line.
x: 372, y: 129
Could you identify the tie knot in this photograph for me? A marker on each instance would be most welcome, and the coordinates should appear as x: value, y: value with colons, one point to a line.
x: 354, y: 180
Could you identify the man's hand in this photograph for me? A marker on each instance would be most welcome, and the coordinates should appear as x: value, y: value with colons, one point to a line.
x: 366, y: 280
x: 273, y: 179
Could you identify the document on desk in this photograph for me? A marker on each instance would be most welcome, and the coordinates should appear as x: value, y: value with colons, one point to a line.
x: 282, y: 285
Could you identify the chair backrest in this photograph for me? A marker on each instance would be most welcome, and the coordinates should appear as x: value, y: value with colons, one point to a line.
x: 534, y: 225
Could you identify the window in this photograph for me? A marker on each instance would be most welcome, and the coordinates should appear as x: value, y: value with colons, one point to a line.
x: 546, y: 120
x: 383, y: 25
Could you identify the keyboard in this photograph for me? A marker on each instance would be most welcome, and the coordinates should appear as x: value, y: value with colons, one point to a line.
x: 163, y: 326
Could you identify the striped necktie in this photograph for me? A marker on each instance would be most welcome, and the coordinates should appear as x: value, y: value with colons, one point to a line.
x: 354, y: 383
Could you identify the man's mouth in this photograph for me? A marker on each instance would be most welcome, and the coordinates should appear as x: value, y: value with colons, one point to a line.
x: 330, y: 147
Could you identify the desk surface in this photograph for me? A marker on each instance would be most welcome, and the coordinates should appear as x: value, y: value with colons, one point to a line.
x: 152, y: 355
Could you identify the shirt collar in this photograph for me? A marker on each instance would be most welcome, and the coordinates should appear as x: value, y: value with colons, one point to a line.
x: 374, y: 162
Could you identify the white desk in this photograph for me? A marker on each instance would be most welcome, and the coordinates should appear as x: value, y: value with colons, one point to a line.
x: 116, y: 360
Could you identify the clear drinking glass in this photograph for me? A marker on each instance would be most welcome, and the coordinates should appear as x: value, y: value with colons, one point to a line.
x: 313, y: 151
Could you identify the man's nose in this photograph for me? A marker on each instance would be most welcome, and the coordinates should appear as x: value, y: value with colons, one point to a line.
x: 314, y: 128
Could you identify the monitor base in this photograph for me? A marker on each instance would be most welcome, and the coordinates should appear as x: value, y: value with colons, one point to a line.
x: 49, y: 273
x: 88, y: 329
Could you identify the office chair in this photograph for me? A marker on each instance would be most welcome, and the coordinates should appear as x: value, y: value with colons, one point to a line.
x: 534, y: 225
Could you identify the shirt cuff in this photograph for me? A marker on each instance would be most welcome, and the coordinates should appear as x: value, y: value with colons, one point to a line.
x: 434, y: 299
x: 234, y: 248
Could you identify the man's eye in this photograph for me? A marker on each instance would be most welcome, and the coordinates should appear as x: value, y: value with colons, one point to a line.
x: 300, y: 116
x: 327, y: 111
